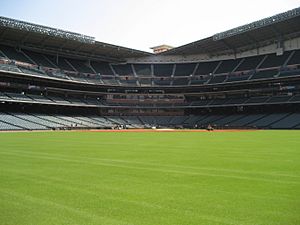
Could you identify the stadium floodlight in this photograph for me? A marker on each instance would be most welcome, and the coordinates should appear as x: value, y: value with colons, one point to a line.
x: 258, y: 24
x: 31, y: 27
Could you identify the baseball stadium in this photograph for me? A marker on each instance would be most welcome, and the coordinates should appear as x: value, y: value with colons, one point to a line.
x: 206, y: 133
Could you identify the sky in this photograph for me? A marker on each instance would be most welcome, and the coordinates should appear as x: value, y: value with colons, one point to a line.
x: 141, y: 24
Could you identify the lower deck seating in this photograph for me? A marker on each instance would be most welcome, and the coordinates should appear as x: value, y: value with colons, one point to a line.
x: 30, y: 121
x: 265, y: 74
x: 267, y: 121
x: 246, y: 120
x: 37, y: 120
x: 133, y: 121
x: 7, y: 126
x: 208, y: 120
x: 23, y: 123
x: 224, y: 122
x: 288, y: 122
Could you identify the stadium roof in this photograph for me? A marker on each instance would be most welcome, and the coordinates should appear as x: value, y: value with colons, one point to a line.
x: 284, y: 25
x: 54, y: 40
x: 51, y: 40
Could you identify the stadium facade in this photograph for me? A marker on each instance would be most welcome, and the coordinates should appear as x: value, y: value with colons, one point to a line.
x: 247, y: 77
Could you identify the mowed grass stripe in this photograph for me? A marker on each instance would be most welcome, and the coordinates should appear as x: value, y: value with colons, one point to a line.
x: 147, y: 163
x: 150, y: 178
x: 145, y: 167
x: 118, y: 200
x: 77, y: 186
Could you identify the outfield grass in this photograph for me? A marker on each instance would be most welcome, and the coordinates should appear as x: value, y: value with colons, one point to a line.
x: 72, y: 178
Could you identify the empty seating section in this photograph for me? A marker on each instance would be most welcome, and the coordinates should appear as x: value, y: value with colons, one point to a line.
x: 92, y: 101
x: 110, y: 81
x: 289, y: 72
x: 133, y: 120
x: 60, y: 62
x: 178, y: 120
x: 58, y: 74
x: 233, y: 101
x: 73, y: 121
x: 184, y: 69
x: 200, y: 73
x: 25, y: 121
x: 75, y: 100
x: 267, y: 121
x: 80, y: 66
x: 9, y: 67
x: 257, y: 100
x: 116, y: 119
x: 224, y: 122
x: 145, y: 81
x: 201, y: 102
x: 162, y: 82
x: 295, y: 59
x: 273, y: 60
x: 95, y: 101
x: 38, y: 120
x: 148, y: 120
x: 217, y: 79
x: 16, y: 121
x: 163, y: 70
x: 205, y: 68
x: 59, y: 99
x: 32, y: 70
x: 142, y: 69
x: 20, y: 97
x: 94, y: 78
x: 238, y: 77
x: 7, y: 126
x: 264, y: 74
x: 295, y: 98
x: 128, y: 81
x: 102, y: 68
x: 14, y: 54
x: 4, y: 96
x: 208, y: 120
x: 102, y: 120
x: 163, y: 120
x: 91, y: 122
x: 218, y: 101
x: 250, y: 63
x: 38, y: 58
x: 181, y: 81
x: 123, y: 70
x: 200, y: 80
x: 191, y: 120
x: 246, y: 120
x: 227, y: 66
x: 279, y: 99
x: 55, y: 120
x: 288, y: 122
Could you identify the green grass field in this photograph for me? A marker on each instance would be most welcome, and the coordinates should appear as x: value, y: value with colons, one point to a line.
x: 90, y: 178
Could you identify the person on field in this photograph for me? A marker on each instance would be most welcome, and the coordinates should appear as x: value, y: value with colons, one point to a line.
x: 209, y: 128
